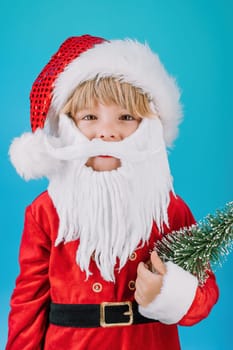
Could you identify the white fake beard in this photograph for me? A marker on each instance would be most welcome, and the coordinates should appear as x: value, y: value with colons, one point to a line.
x: 110, y: 212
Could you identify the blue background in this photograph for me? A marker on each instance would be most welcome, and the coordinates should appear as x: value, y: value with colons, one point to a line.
x: 194, y: 41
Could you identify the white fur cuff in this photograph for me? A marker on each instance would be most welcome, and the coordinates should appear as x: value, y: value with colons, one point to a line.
x: 177, y: 294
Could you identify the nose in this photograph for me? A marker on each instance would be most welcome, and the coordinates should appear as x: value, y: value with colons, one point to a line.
x: 108, y: 137
x: 109, y: 133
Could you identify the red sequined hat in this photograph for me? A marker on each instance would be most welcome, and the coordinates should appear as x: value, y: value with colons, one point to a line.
x: 86, y: 57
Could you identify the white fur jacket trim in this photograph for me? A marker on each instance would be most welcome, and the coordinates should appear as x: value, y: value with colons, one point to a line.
x: 177, y: 294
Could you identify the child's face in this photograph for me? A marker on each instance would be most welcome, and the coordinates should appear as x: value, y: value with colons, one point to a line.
x: 108, y: 123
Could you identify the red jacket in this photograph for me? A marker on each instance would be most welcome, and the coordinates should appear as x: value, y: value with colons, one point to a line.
x: 49, y: 273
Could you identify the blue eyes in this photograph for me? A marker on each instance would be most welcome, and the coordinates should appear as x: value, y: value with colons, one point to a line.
x: 126, y: 117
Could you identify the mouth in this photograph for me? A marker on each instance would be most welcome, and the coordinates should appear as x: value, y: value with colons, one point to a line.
x: 105, y: 156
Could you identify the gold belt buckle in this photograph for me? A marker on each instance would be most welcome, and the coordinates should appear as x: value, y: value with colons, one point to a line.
x: 129, y: 313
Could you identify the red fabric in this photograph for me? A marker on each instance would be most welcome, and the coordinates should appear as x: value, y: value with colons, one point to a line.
x: 50, y: 273
x: 42, y: 88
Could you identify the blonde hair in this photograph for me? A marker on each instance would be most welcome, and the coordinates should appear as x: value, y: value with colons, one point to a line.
x: 108, y: 91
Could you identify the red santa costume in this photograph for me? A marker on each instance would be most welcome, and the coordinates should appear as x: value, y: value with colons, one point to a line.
x: 84, y: 237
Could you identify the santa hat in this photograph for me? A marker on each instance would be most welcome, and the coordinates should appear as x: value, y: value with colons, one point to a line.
x: 86, y: 57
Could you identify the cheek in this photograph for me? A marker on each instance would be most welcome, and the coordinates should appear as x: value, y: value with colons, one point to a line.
x: 86, y: 131
x: 131, y: 128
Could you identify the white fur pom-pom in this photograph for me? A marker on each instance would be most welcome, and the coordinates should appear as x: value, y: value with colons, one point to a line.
x: 29, y: 155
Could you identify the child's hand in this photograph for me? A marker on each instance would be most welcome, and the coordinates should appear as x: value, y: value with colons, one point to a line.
x: 148, y: 283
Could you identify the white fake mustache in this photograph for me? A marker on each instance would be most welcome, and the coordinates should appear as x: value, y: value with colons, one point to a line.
x: 76, y: 146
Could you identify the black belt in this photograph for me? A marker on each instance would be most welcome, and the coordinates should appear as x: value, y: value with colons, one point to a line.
x: 107, y: 314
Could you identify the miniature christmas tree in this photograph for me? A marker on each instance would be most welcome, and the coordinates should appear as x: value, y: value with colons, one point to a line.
x: 197, y: 247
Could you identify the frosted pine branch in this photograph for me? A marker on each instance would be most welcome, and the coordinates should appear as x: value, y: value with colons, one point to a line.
x: 197, y: 247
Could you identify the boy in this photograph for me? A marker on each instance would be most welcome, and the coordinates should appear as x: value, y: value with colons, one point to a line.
x: 102, y: 113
